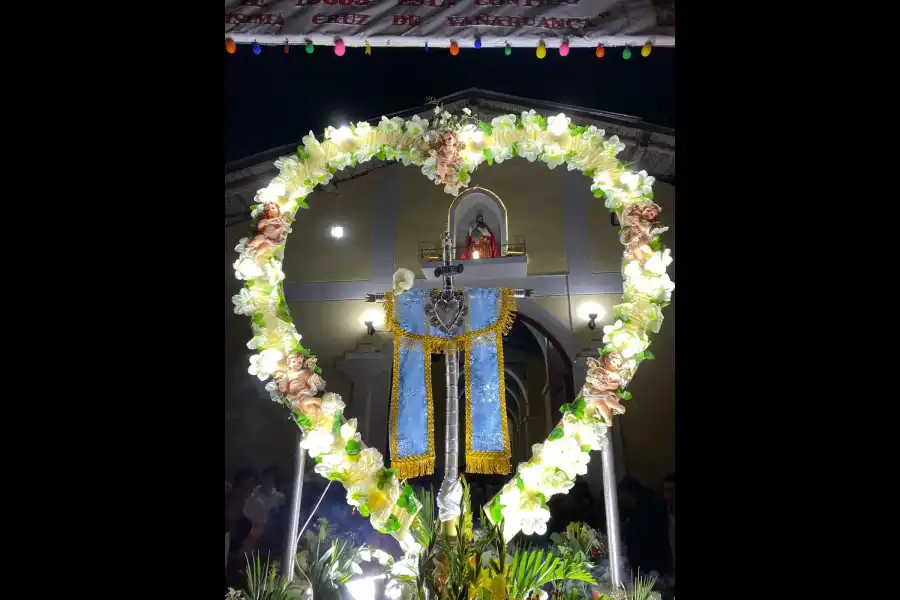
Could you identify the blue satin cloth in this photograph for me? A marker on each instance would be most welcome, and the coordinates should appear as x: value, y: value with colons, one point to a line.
x: 411, y: 429
x: 412, y: 407
x: 484, y: 404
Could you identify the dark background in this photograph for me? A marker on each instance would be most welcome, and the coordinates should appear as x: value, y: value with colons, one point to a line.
x: 272, y: 99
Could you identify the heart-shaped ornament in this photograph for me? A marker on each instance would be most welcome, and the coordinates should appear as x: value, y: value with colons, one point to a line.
x: 446, y: 310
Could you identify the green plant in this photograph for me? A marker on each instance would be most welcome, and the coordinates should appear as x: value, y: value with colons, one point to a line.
x: 641, y: 588
x: 264, y: 583
x: 325, y: 565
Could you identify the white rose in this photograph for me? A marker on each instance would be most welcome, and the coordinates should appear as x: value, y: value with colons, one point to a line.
x: 403, y: 281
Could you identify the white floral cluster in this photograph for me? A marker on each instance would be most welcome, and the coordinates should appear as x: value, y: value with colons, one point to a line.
x: 551, y: 470
x: 554, y: 140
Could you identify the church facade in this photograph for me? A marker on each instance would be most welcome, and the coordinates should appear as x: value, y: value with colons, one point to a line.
x: 518, y: 225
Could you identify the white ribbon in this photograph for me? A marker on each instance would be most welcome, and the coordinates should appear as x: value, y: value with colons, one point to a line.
x: 449, y: 500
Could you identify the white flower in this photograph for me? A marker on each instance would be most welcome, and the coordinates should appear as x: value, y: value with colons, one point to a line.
x: 592, y: 133
x: 242, y: 243
x: 529, y: 149
x: 259, y: 340
x: 274, y: 192
x: 437, y: 109
x: 467, y: 111
x: 653, y: 318
x: 553, y: 155
x: 332, y: 404
x: 657, y: 263
x: 317, y: 442
x: 613, y: 146
x: 246, y: 268
x: 244, y: 303
x: 501, y: 153
x: 558, y: 125
x: 403, y: 281
x: 445, y: 115
x: 363, y: 470
x: 363, y: 129
x: 504, y: 122
x: 564, y: 454
x: 339, y: 135
x: 531, y: 121
x: 274, y: 394
x: 310, y: 142
x: 394, y: 125
x: 586, y: 432
x: 646, y: 282
x: 416, y: 126
x: 264, y: 364
x: 538, y: 477
x: 627, y: 343
x: 273, y: 271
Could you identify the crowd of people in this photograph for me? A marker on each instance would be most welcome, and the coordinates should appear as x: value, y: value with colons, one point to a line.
x: 256, y: 515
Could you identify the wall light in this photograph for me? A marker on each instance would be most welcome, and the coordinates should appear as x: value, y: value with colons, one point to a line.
x: 337, y: 232
x: 591, y: 311
x: 475, y: 255
x: 371, y: 319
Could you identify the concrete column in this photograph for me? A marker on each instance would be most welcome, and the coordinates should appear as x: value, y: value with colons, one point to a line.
x: 369, y: 371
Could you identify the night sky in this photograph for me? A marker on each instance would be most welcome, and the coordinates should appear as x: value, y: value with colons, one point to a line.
x: 274, y: 99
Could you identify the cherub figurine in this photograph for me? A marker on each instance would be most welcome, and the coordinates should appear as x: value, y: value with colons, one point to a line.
x: 447, y: 159
x: 638, y: 220
x: 600, y: 387
x: 300, y: 384
x: 272, y: 230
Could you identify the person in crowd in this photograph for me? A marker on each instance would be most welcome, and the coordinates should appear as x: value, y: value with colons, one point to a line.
x: 669, y: 497
x: 645, y: 530
x: 245, y: 524
x: 267, y: 492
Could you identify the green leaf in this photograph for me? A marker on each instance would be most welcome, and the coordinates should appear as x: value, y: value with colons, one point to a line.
x: 515, y: 148
x: 520, y: 484
x: 336, y: 425
x: 542, y: 498
x: 585, y: 448
x: 364, y: 510
x: 565, y: 408
x: 605, y: 350
x: 621, y: 166
x: 589, y: 173
x: 302, y: 154
x: 385, y: 476
x: 578, y: 408
x: 258, y: 319
x: 648, y: 355
x: 318, y: 459
x: 392, y: 525
x: 486, y: 128
x: 599, y: 194
x: 577, y: 129
x: 318, y: 370
x: 303, y: 420
x: 497, y: 510
x: 542, y: 122
x: 656, y: 243
x: 623, y: 394
x: 556, y: 434
x: 301, y: 203
x: 352, y: 448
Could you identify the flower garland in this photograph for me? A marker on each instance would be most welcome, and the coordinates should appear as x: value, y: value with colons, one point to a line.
x: 447, y: 150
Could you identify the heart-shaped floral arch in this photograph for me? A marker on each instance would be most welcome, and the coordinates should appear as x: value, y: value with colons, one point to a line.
x: 448, y: 149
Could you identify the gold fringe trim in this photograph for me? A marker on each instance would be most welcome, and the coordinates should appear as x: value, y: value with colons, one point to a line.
x: 407, y: 468
x: 498, y: 465
x: 411, y: 466
x: 478, y: 461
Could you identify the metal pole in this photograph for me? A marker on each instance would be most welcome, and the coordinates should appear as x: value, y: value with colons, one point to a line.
x: 611, y: 500
x: 290, y: 542
x: 451, y: 441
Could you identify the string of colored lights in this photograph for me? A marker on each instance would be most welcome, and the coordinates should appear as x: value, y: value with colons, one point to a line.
x: 340, y: 47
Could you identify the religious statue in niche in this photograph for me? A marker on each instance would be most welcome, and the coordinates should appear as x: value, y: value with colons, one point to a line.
x: 481, y: 242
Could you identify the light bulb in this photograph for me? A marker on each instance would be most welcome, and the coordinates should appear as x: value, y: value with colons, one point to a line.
x: 337, y: 232
x: 475, y: 255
